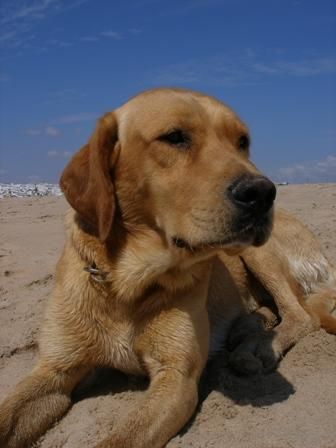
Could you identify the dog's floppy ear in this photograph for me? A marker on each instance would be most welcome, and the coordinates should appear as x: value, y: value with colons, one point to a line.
x: 87, y: 182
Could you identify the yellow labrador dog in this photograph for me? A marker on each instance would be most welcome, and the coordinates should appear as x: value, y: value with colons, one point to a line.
x: 164, y: 199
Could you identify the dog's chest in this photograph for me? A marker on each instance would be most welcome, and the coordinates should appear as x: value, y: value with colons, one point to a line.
x: 117, y: 344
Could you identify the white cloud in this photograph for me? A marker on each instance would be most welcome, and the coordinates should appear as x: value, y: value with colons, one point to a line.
x: 52, y: 153
x: 64, y: 95
x: 19, y: 17
x: 60, y: 43
x: 15, y: 10
x: 264, y: 68
x: 312, y: 171
x: 233, y: 70
x: 75, y: 118
x: 51, y: 131
x: 305, y: 67
x: 113, y: 34
x: 6, y: 36
x: 135, y: 31
x: 89, y: 39
x: 59, y: 154
x: 33, y: 132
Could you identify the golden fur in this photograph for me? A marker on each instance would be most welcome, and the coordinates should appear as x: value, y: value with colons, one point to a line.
x: 153, y: 214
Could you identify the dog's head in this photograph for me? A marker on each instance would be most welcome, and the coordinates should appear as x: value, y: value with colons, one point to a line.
x: 175, y: 161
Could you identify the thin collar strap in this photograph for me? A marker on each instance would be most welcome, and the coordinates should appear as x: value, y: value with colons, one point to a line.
x: 96, y: 274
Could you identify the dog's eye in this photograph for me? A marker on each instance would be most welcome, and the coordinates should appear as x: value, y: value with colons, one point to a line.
x: 244, y: 143
x: 176, y: 138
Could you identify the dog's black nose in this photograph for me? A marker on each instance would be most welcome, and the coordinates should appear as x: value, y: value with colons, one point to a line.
x: 254, y: 194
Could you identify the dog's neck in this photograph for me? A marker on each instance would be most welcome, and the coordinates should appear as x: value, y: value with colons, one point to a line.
x: 136, y: 262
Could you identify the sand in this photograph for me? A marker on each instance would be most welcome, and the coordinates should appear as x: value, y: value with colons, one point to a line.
x: 293, y: 407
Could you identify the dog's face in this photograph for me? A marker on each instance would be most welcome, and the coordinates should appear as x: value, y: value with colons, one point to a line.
x: 176, y: 161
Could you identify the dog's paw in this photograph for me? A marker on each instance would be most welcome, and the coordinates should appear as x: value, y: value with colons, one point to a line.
x: 254, y: 355
x: 245, y: 363
x: 258, y: 322
x: 243, y: 327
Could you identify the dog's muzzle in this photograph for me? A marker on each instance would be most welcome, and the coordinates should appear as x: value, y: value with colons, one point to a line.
x: 253, y: 198
x: 253, y: 195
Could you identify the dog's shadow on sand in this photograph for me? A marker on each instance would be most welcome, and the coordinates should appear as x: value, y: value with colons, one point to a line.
x: 259, y: 390
x: 107, y: 381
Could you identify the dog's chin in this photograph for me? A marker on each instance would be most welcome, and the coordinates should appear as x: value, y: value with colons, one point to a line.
x: 238, y: 245
x: 233, y: 244
x: 252, y: 231
x: 241, y: 236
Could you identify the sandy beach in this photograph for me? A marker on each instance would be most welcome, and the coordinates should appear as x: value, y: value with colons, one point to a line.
x: 293, y: 407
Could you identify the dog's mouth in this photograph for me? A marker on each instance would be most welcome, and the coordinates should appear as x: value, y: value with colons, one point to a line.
x: 253, y: 233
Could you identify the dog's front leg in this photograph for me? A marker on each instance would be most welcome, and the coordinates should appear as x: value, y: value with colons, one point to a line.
x: 173, y: 349
x: 35, y: 404
x: 167, y: 406
x: 253, y: 351
x: 296, y: 322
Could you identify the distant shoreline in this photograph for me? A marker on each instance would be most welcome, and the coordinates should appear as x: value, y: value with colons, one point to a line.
x: 29, y: 190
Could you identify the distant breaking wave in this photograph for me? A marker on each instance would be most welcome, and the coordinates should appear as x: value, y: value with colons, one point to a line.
x: 29, y: 190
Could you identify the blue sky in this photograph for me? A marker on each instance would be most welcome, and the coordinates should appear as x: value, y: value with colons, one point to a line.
x: 65, y: 62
